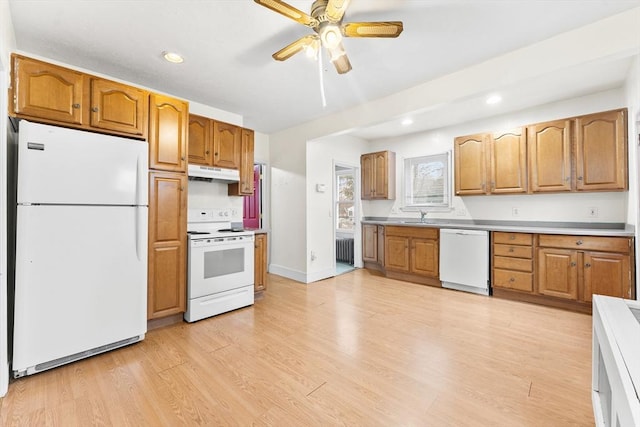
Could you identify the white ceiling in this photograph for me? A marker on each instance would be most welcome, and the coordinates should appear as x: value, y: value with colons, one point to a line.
x: 227, y: 45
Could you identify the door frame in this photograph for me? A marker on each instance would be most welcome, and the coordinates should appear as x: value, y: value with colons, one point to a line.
x: 357, y: 232
x: 4, y: 320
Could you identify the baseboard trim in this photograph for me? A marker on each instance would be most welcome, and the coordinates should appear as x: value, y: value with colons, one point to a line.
x: 321, y: 275
x: 296, y: 275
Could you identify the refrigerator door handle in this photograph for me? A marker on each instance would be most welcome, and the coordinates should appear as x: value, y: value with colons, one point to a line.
x: 141, y: 180
x: 140, y: 235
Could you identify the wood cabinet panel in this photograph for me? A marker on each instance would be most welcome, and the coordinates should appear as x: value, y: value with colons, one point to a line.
x: 520, y: 264
x: 508, y: 162
x: 118, y: 107
x: 607, y: 274
x: 516, y: 280
x: 46, y: 91
x: 260, y: 261
x: 512, y: 238
x: 227, y: 140
x: 558, y: 273
x: 370, y: 243
x: 550, y: 156
x: 424, y: 257
x: 595, y: 243
x: 200, y: 141
x: 423, y: 232
x: 245, y: 186
x: 378, y: 173
x: 601, y: 151
x: 470, y: 164
x: 381, y: 234
x: 167, y: 244
x: 168, y: 124
x: 396, y: 253
x: 513, y: 251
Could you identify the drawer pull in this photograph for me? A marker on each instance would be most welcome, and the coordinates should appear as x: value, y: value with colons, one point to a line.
x: 513, y: 279
x: 587, y: 265
x: 573, y: 264
x: 510, y: 249
x: 94, y: 109
x: 76, y: 105
x: 579, y: 242
x: 512, y: 237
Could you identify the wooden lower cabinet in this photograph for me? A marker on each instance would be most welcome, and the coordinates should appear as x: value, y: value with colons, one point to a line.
x: 167, y: 244
x: 607, y: 274
x: 512, y: 261
x: 260, y: 262
x: 373, y: 246
x: 558, y: 273
x: 412, y: 253
x: 424, y: 257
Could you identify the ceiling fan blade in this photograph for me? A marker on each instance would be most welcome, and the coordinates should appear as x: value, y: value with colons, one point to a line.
x: 289, y: 11
x: 341, y: 61
x: 372, y: 29
x: 335, y: 9
x: 295, y: 47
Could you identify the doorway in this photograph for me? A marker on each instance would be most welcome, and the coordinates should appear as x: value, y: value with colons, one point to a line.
x: 347, y: 217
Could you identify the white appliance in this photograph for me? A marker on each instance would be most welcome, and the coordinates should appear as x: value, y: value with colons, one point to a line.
x: 616, y: 362
x: 214, y: 173
x: 221, y: 264
x: 81, y: 245
x: 464, y: 260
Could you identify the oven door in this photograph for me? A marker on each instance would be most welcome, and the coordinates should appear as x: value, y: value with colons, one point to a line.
x: 220, y: 264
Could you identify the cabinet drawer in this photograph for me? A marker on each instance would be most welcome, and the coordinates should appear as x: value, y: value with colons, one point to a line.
x: 506, y: 263
x: 512, y: 238
x: 513, y: 251
x: 595, y: 243
x: 422, y: 232
x: 513, y: 280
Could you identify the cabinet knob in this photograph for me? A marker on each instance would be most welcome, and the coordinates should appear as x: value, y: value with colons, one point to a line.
x: 510, y: 249
x: 215, y: 154
x: 567, y: 179
x: 181, y: 188
x: 182, y: 157
x: 95, y: 109
x: 76, y: 105
x: 207, y: 152
x: 579, y: 178
x: 573, y: 264
x: 512, y: 237
x: 587, y: 265
x: 579, y: 242
x: 513, y: 279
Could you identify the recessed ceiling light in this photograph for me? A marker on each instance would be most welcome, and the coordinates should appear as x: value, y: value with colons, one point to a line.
x: 494, y: 99
x: 407, y: 122
x: 172, y: 57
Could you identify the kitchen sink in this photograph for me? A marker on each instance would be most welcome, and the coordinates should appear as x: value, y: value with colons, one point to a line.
x: 426, y: 222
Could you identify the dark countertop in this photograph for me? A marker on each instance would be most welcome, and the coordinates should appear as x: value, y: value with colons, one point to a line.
x: 542, y: 227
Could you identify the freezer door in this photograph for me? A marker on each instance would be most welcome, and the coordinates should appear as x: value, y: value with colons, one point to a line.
x: 81, y: 280
x: 68, y: 166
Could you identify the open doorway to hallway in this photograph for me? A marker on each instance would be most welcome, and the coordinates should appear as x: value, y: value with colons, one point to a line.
x: 346, y: 214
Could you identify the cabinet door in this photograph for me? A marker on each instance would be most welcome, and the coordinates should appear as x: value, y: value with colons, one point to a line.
x: 245, y: 186
x: 396, y: 253
x: 424, y: 257
x: 607, y: 274
x: 200, y: 140
x: 260, y: 267
x: 168, y: 133
x: 367, y: 171
x: 369, y: 243
x: 550, y: 156
x: 601, y: 151
x: 381, y: 175
x: 381, y: 245
x: 167, y: 244
x: 470, y: 164
x: 508, y: 162
x: 558, y: 273
x: 47, y: 91
x: 118, y: 107
x: 226, y: 145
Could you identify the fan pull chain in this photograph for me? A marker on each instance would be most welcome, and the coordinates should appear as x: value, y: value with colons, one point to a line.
x: 324, y: 98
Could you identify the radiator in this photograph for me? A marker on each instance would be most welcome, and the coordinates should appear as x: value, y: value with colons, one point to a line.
x: 344, y: 250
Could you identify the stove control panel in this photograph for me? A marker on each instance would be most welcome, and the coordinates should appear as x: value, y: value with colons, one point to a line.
x: 211, y: 215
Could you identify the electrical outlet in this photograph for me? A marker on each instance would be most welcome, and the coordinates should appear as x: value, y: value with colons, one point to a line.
x: 592, y: 212
x: 515, y: 211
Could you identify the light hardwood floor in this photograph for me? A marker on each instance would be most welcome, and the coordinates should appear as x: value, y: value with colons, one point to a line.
x: 357, y: 349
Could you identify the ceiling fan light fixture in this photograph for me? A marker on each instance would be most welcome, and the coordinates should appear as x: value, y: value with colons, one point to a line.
x: 330, y: 36
x: 312, y: 49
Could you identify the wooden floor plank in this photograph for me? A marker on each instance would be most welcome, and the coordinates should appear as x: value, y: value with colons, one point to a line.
x: 357, y: 349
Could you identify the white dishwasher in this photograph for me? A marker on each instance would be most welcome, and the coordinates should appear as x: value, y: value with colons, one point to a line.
x: 464, y: 260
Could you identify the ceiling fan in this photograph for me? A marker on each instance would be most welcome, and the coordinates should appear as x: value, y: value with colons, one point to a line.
x: 326, y: 20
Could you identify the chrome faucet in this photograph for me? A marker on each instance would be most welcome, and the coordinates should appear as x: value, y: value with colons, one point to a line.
x: 423, y: 215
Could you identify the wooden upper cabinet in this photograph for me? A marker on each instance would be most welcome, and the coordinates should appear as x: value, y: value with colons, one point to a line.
x: 601, y: 151
x: 245, y: 186
x: 227, y: 140
x: 200, y: 142
x: 46, y: 91
x: 470, y: 164
x: 508, y: 162
x: 168, y: 133
x: 118, y: 107
x: 378, y: 172
x: 550, y: 156
x: 51, y: 94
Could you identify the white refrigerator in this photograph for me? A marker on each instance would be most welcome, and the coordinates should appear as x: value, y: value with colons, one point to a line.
x: 81, y: 245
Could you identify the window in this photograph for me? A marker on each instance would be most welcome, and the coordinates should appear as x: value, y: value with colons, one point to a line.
x: 426, y: 181
x: 345, y: 204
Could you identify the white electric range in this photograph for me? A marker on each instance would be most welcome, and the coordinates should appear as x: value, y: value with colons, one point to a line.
x: 220, y: 264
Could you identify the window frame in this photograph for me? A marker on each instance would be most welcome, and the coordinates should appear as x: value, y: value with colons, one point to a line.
x: 338, y: 201
x: 407, y: 198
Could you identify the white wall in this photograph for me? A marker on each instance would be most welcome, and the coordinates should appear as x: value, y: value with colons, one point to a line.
x: 322, y: 154
x: 7, y: 45
x: 612, y: 206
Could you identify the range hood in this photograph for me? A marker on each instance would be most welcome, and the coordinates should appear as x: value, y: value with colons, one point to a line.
x: 213, y: 173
